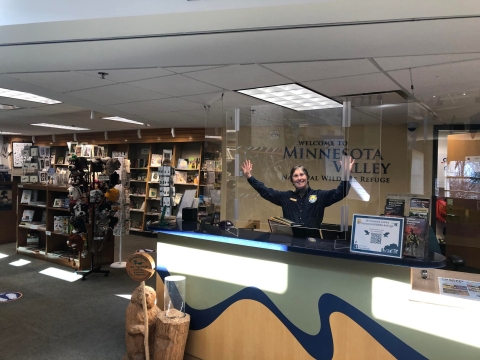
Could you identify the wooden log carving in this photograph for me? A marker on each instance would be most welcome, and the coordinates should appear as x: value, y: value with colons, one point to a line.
x: 171, y: 336
x: 135, y: 320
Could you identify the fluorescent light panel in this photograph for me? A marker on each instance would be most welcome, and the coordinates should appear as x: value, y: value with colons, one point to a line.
x: 60, y: 126
x: 20, y: 95
x: 9, y: 133
x: 8, y: 107
x: 292, y: 96
x: 117, y: 118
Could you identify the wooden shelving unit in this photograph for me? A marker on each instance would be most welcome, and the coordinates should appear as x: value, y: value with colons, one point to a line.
x: 49, y: 240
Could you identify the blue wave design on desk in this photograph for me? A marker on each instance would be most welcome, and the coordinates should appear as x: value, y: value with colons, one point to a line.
x: 319, y: 346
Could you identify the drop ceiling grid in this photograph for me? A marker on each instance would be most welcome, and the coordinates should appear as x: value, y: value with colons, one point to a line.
x: 117, y: 94
x: 127, y: 75
x: 175, y: 85
x: 406, y: 62
x: 439, y: 75
x: 161, y: 105
x: 61, y: 81
x: 360, y: 84
x: 237, y: 77
x: 321, y: 70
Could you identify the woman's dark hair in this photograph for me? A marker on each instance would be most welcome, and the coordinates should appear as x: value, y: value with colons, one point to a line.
x: 305, y: 171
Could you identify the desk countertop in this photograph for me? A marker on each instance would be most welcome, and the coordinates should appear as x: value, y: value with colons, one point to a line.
x: 318, y: 247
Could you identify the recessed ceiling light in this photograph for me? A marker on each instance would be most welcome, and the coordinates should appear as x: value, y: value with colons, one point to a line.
x: 292, y: 96
x: 60, y: 126
x: 116, y: 118
x: 8, y: 107
x: 20, y: 95
x: 9, y: 133
x: 464, y: 94
x: 433, y: 95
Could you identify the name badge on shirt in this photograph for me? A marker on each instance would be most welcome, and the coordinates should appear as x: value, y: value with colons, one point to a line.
x: 312, y: 198
x: 293, y: 199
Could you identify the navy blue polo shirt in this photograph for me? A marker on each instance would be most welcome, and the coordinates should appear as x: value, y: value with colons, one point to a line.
x: 307, y: 210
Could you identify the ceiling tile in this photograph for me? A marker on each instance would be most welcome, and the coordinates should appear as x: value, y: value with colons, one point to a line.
x: 175, y: 85
x: 61, y: 81
x: 154, y: 106
x: 439, y: 75
x: 116, y: 94
x: 237, y: 77
x: 230, y: 99
x: 125, y: 75
x: 319, y: 70
x: 186, y: 69
x: 406, y: 62
x: 361, y: 84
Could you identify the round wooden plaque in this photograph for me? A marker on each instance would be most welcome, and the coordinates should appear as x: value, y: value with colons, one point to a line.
x: 140, y: 266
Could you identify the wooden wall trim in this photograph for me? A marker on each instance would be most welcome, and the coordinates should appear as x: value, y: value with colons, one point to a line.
x: 117, y: 137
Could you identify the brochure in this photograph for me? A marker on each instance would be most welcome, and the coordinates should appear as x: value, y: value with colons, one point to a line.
x: 459, y: 288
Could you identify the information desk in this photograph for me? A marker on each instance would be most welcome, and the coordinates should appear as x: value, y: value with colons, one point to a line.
x: 257, y: 295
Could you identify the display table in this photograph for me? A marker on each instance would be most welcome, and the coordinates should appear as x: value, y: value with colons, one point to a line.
x: 258, y: 299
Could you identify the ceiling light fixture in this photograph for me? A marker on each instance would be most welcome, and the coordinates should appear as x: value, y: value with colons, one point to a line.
x: 292, y: 96
x: 60, y: 126
x: 9, y: 133
x: 117, y: 118
x: 20, y: 95
x: 173, y: 132
x: 8, y: 107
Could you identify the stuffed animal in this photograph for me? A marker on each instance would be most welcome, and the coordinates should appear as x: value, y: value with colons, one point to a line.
x: 135, y: 323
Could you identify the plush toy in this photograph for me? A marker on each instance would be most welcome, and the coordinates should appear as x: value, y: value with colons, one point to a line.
x: 112, y: 195
x: 135, y: 323
x: 75, y: 241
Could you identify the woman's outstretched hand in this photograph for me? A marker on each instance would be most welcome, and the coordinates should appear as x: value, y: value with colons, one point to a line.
x: 247, y: 169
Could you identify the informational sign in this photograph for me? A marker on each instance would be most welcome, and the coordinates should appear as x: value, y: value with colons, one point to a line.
x: 377, y: 235
x: 459, y: 288
x: 140, y: 266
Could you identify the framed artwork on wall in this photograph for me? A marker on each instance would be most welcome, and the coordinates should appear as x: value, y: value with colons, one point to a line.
x: 17, y: 148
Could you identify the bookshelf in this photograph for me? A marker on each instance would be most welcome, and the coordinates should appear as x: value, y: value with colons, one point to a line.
x: 52, y: 244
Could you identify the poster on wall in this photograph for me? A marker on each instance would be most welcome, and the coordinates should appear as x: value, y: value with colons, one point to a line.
x: 377, y: 235
x: 17, y: 148
x: 5, y: 197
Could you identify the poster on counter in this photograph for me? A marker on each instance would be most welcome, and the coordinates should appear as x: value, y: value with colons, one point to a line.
x: 459, y: 288
x: 377, y: 235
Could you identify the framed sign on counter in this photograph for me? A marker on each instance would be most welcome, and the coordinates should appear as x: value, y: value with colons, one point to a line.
x: 377, y: 235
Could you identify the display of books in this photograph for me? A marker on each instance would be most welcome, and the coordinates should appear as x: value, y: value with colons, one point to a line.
x: 154, y: 176
x: 177, y: 198
x: 26, y: 196
x: 395, y: 207
x: 415, y: 237
x: 27, y: 215
x: 180, y: 177
x: 33, y: 239
x: 156, y: 160
x: 152, y: 193
x: 193, y: 163
x: 182, y: 164
x: 419, y: 207
x: 60, y: 202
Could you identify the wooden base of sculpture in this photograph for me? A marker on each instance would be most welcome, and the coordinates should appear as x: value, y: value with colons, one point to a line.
x: 170, y: 336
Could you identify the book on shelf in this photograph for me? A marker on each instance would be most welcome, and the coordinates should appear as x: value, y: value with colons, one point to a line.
x: 154, y: 176
x: 182, y: 164
x: 33, y: 239
x: 180, y: 177
x: 156, y: 160
x: 26, y: 196
x: 152, y: 193
x: 27, y: 215
x: 209, y: 165
x: 193, y: 163
x: 59, y: 202
x: 419, y: 207
x: 61, y: 224
x: 60, y: 160
x: 395, y: 207
x: 415, y: 237
x: 177, y: 198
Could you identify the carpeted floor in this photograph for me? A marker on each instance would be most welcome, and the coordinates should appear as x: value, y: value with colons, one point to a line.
x: 57, y: 319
